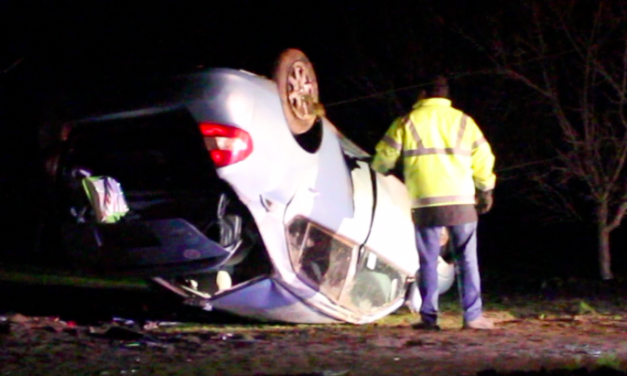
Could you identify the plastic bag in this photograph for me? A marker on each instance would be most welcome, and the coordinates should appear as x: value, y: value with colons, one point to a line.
x: 106, y: 198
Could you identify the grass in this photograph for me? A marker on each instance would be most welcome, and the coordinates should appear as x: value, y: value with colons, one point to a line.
x: 39, y: 275
x: 609, y: 361
x: 60, y: 280
x: 505, y: 297
x: 515, y: 297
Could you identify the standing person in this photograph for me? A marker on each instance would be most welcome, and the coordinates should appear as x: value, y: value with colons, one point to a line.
x: 448, y: 170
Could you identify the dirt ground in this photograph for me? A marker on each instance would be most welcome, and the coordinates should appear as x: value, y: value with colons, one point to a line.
x: 543, y: 328
x: 570, y: 344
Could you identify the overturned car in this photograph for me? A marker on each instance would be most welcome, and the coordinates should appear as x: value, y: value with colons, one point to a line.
x: 235, y: 192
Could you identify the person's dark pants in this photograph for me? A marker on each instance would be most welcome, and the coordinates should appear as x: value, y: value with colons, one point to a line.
x: 464, y: 238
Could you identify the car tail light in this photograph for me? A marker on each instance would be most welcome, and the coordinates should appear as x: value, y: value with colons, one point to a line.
x: 226, y: 144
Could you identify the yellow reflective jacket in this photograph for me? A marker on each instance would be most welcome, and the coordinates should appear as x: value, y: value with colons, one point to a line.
x: 445, y: 155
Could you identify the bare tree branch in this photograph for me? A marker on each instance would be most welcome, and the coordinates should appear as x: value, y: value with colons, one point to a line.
x: 587, y: 94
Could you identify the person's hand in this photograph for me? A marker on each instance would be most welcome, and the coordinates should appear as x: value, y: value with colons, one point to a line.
x: 484, y: 201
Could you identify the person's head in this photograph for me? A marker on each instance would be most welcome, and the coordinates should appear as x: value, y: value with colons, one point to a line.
x: 436, y: 88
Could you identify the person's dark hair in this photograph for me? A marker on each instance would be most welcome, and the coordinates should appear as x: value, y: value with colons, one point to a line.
x: 437, y: 87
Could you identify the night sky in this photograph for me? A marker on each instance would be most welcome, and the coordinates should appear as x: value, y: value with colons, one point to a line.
x: 370, y: 61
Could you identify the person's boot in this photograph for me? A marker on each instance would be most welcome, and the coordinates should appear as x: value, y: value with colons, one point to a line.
x: 480, y: 323
x: 426, y: 326
x: 427, y: 322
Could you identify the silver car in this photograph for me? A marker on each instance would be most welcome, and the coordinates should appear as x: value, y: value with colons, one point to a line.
x: 288, y: 223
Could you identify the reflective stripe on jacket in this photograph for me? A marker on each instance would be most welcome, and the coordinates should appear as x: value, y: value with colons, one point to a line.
x: 445, y: 156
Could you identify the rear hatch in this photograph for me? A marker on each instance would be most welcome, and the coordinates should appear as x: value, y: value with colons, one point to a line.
x: 170, y: 185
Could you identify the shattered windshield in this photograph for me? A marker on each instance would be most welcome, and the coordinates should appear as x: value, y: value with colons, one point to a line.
x: 375, y: 284
x: 329, y: 264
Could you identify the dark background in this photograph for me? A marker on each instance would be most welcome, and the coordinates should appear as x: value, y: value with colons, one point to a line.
x: 371, y: 60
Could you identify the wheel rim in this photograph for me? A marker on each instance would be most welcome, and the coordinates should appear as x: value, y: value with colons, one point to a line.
x: 301, y: 91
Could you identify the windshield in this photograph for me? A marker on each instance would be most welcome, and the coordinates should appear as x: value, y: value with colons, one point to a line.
x: 359, y: 280
x: 375, y: 284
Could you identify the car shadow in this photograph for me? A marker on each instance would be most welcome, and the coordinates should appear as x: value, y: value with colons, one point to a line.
x: 89, y: 305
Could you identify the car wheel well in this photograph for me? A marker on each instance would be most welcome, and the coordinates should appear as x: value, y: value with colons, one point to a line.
x: 310, y: 141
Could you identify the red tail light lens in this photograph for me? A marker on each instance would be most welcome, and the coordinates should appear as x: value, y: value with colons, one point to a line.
x: 226, y: 144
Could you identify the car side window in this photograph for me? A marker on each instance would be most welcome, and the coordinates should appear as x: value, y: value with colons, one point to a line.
x: 319, y: 257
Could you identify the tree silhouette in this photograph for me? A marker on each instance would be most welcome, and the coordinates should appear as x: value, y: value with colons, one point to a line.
x: 573, y: 56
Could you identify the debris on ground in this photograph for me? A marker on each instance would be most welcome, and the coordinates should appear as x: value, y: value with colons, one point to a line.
x: 563, y: 345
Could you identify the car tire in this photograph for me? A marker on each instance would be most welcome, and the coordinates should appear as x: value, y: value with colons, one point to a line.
x: 446, y: 275
x: 446, y: 265
x: 298, y: 90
